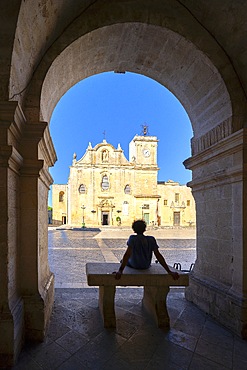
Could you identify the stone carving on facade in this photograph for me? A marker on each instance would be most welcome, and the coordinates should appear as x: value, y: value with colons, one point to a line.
x: 105, y: 156
x: 106, y: 203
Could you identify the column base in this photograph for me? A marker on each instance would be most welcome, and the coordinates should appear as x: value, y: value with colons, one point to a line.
x: 219, y: 301
x: 12, y: 334
x: 38, y: 309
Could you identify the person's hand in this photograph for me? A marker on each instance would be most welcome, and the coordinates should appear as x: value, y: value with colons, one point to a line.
x: 118, y: 274
x: 174, y: 275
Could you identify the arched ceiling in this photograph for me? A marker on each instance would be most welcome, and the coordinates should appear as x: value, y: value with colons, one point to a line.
x: 193, y: 47
x: 149, y: 50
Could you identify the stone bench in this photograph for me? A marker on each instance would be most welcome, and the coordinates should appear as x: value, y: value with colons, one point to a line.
x: 155, y: 280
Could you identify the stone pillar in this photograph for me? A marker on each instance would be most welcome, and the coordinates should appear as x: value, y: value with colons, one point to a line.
x: 26, y: 283
x: 218, y: 283
x: 11, y: 303
x: 37, y: 282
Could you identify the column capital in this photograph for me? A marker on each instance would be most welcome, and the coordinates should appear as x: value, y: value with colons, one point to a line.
x: 32, y: 167
x: 34, y: 131
x: 10, y: 157
x: 12, y: 122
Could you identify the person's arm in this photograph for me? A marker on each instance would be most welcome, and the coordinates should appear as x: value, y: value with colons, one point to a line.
x: 126, y: 257
x: 163, y: 263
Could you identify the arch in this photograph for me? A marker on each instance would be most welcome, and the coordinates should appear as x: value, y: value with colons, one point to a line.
x: 192, y: 65
x: 48, y: 47
x: 84, y: 43
x: 194, y: 75
x: 203, y: 92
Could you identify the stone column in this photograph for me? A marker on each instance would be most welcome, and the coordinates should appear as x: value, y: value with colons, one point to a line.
x: 218, y: 283
x: 26, y: 283
x: 37, y: 282
x: 11, y: 303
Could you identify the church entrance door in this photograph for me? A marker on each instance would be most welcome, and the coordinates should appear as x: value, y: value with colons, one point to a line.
x: 105, y: 218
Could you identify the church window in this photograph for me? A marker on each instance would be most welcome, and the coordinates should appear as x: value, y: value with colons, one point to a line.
x: 145, y: 206
x: 105, y: 183
x: 61, y: 196
x: 127, y: 189
x: 165, y: 202
x: 82, y: 189
x: 188, y: 203
x: 177, y: 197
x: 125, y: 208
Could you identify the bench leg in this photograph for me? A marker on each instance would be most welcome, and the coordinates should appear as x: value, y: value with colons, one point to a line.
x: 106, y: 305
x: 154, y: 301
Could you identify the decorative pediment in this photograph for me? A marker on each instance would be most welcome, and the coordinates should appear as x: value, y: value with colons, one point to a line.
x: 102, y: 154
x: 106, y: 203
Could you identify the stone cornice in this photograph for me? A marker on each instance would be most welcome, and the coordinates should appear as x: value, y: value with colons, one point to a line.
x: 227, y: 146
x: 15, y: 161
x: 46, y: 177
x: 105, y: 197
x: 146, y: 196
x: 146, y: 167
x: 10, y: 157
x: 47, y: 148
x: 219, y: 178
x: 31, y: 168
x: 212, y: 137
x: 107, y: 166
x: 34, y: 131
x: 12, y: 118
x: 5, y: 153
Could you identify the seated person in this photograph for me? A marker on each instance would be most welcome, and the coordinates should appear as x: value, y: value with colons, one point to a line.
x: 140, y: 250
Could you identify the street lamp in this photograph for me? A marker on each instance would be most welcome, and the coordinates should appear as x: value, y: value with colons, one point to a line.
x: 83, y: 208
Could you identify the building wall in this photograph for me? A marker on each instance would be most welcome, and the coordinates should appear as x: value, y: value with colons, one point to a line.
x: 104, y: 188
x: 59, y: 204
x: 176, y: 205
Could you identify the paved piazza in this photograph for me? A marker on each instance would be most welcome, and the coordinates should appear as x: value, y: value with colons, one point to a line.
x: 71, y: 249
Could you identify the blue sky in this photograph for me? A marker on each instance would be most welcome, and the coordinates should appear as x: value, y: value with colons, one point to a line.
x: 119, y: 104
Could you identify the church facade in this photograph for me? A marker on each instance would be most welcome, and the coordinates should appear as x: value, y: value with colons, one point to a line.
x: 104, y: 188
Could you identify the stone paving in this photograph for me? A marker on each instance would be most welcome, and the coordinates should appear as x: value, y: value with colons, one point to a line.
x: 69, y: 250
x: 77, y: 340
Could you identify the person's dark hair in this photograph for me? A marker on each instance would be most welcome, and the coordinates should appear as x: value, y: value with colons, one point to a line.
x: 139, y: 226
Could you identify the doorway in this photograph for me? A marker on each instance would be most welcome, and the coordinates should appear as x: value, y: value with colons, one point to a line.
x: 105, y: 218
x: 176, y: 218
x: 146, y: 218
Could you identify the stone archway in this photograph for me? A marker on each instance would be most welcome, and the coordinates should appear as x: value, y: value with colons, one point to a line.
x: 171, y: 42
x: 200, y: 87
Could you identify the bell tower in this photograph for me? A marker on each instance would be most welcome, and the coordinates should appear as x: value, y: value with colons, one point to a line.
x: 143, y: 149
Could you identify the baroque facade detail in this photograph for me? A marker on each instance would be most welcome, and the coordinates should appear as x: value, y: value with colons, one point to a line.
x: 104, y: 188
